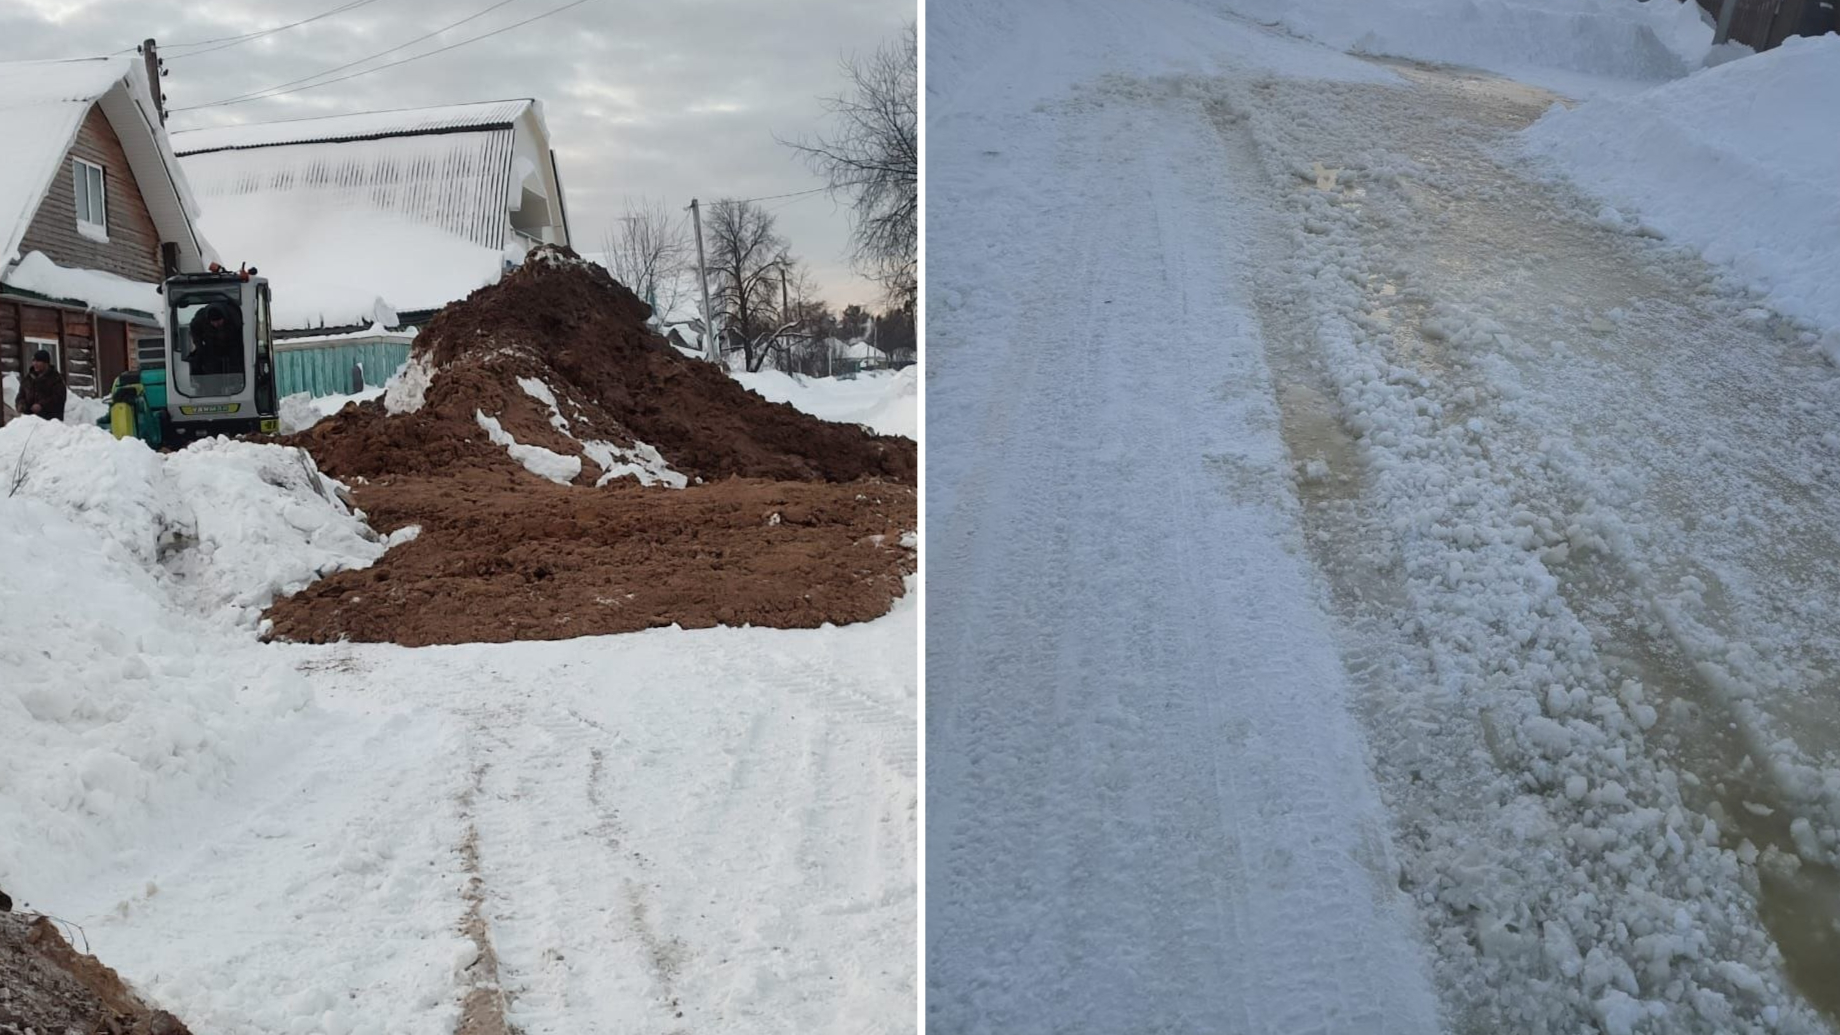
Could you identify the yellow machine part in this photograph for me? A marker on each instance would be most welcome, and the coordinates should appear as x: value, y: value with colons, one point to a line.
x: 121, y: 420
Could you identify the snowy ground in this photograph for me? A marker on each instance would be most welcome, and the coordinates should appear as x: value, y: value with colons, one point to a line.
x: 885, y: 400
x: 667, y: 831
x: 1426, y: 468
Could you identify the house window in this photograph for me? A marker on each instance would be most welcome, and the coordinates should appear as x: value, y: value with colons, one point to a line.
x: 92, y: 201
x: 49, y: 345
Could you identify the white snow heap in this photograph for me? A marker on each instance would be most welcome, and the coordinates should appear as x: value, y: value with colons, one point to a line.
x: 131, y: 676
x: 885, y: 401
x: 1728, y: 161
x: 1573, y: 45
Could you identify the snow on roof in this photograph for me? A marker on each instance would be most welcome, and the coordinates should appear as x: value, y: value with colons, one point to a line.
x: 38, y: 274
x: 369, y: 125
x: 459, y: 182
x: 42, y: 105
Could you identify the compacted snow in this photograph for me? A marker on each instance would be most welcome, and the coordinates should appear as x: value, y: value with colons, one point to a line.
x: 1299, y: 445
x: 665, y: 831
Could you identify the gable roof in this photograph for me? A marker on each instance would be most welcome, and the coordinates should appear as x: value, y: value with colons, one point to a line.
x: 370, y: 125
x: 410, y: 209
x: 42, y: 108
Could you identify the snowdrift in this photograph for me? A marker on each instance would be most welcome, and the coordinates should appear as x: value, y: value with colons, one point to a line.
x: 1578, y: 45
x: 1736, y: 161
x: 885, y: 401
x: 133, y: 682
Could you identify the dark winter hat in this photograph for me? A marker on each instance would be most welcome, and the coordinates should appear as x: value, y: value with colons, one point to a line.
x: 41, y: 356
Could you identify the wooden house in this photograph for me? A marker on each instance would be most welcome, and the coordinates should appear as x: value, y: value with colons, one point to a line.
x: 94, y: 213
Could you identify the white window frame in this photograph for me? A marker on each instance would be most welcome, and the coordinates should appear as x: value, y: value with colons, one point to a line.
x: 92, y: 229
x: 49, y: 345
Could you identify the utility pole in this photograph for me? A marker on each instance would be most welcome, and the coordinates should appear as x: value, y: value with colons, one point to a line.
x: 711, y: 346
x: 150, y: 53
x: 785, y: 314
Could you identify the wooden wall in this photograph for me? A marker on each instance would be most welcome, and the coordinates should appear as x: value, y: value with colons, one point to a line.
x: 133, y: 249
x: 92, y: 350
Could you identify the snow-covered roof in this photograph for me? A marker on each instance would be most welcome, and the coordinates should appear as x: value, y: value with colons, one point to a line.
x: 42, y: 107
x: 98, y: 289
x: 413, y: 209
x: 370, y: 125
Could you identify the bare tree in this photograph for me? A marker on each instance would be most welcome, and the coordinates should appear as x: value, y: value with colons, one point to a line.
x: 872, y: 158
x: 745, y: 256
x: 649, y: 251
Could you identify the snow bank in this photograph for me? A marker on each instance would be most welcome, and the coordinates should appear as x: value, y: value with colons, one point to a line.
x: 1736, y: 161
x: 302, y: 410
x: 888, y: 401
x: 128, y: 686
x: 1583, y: 46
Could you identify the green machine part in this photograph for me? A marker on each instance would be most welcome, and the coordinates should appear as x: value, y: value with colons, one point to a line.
x: 137, y: 407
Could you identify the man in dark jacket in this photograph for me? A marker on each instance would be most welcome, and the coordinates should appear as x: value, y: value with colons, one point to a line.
x: 217, y: 341
x: 41, y: 389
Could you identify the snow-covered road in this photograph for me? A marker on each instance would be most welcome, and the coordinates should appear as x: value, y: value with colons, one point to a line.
x: 671, y: 831
x: 1280, y: 421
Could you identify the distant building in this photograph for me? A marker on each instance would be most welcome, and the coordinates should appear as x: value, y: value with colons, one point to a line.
x: 380, y: 218
x: 94, y: 213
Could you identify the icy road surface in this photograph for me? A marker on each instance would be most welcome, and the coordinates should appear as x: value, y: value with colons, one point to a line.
x: 1291, y: 441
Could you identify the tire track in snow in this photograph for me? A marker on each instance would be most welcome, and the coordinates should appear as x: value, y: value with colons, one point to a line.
x: 1434, y: 406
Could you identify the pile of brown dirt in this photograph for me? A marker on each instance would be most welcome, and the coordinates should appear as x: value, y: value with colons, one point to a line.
x: 47, y: 986
x: 534, y: 560
x: 565, y: 323
x: 786, y: 520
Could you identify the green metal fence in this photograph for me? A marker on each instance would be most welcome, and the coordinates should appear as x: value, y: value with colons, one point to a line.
x: 326, y: 369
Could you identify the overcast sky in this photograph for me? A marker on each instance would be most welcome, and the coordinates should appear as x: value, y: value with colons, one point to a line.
x: 668, y: 99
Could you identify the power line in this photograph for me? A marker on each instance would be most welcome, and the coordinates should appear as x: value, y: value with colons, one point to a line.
x: 277, y: 91
x: 272, y: 90
x: 231, y: 41
x: 776, y: 197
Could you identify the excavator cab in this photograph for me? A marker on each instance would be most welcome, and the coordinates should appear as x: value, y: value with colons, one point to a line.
x: 220, y: 356
x: 214, y: 371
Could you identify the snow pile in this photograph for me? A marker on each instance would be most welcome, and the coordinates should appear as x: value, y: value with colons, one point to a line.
x: 37, y: 273
x: 302, y: 410
x: 1568, y: 44
x: 1732, y: 161
x: 127, y: 687
x: 886, y: 401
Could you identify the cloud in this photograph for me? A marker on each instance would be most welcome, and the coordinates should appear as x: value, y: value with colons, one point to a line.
x: 669, y: 101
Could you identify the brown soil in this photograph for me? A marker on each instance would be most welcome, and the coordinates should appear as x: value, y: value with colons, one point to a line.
x: 47, y: 986
x: 790, y: 521
x: 504, y: 555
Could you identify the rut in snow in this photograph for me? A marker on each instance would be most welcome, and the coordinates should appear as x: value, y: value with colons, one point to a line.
x: 1566, y: 487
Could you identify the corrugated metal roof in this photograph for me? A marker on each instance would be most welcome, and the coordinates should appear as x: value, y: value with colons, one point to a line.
x: 459, y: 182
x: 450, y: 118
